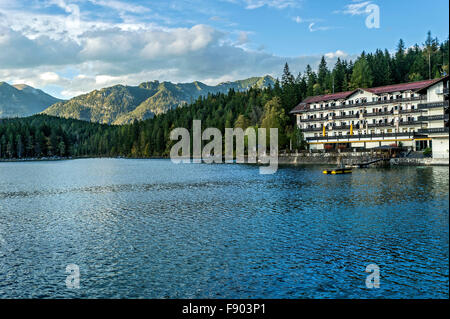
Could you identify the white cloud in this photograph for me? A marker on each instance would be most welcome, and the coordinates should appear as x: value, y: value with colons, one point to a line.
x: 278, y: 4
x: 337, y: 54
x: 37, y: 49
x: 121, y: 6
x: 50, y: 77
x: 358, y: 8
x: 243, y: 37
x: 313, y: 28
x: 297, y: 19
x: 300, y: 20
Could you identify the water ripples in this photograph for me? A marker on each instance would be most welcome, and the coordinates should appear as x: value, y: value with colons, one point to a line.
x: 152, y: 229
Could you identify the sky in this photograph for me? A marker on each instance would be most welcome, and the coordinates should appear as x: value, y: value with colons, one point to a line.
x: 71, y: 47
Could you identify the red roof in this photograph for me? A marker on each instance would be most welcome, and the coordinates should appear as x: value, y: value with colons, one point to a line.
x: 413, y: 86
x: 328, y: 97
x: 401, y: 87
x: 299, y: 108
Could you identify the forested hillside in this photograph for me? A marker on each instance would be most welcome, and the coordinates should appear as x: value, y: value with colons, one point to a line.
x: 42, y: 135
x: 122, y: 104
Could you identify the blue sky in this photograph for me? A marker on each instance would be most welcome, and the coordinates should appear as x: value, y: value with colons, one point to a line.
x: 70, y: 47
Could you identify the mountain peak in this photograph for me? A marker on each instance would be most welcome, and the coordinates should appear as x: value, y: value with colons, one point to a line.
x: 23, y: 86
x: 2, y: 83
x: 124, y: 104
x: 20, y: 100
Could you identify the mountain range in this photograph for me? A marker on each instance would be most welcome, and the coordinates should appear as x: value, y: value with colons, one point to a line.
x: 21, y: 100
x: 122, y: 104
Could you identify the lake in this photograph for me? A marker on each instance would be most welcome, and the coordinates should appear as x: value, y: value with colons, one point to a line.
x: 154, y: 229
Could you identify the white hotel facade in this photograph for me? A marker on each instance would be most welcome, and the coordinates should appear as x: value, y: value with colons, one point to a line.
x: 413, y: 115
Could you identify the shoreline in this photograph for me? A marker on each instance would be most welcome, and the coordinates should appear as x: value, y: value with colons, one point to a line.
x: 54, y: 159
x: 283, y: 159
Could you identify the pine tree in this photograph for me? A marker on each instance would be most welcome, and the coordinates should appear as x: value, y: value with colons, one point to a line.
x: 362, y: 75
x: 322, y: 76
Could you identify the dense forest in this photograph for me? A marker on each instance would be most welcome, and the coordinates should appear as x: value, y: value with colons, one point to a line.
x: 44, y: 136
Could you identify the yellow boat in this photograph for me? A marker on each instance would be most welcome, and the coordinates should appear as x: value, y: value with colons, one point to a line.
x: 345, y: 170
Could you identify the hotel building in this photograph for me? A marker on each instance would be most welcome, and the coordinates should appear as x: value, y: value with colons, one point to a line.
x: 413, y: 115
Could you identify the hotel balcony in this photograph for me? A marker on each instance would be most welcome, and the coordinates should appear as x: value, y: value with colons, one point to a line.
x: 378, y: 114
x: 348, y: 116
x: 425, y: 106
x: 434, y: 117
x: 433, y: 130
x: 410, y: 122
x: 363, y: 137
x: 314, y: 119
x: 380, y: 125
x: 320, y: 129
x: 394, y: 101
x: 410, y: 111
x: 312, y: 129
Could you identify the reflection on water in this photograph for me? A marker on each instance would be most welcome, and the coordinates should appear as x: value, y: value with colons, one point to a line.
x: 152, y: 229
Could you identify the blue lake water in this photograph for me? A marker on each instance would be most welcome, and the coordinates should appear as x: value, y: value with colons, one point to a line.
x: 153, y: 229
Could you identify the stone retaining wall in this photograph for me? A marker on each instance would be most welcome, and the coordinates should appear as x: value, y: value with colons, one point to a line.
x: 353, y: 159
